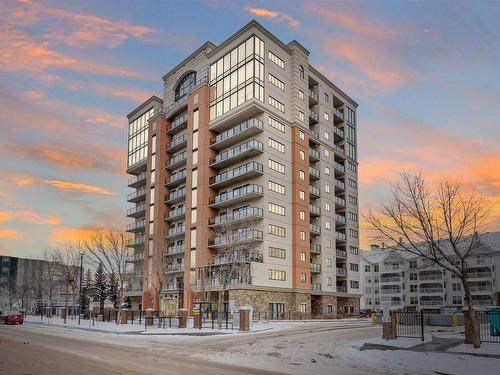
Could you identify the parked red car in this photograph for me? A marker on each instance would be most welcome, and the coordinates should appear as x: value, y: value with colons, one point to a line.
x: 12, y: 317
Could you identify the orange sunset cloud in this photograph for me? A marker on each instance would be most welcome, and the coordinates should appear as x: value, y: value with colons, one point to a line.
x: 78, y: 187
x: 10, y: 234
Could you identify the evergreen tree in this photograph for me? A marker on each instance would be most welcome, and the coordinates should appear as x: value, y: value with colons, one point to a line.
x: 87, y: 283
x: 112, y: 291
x: 100, y: 282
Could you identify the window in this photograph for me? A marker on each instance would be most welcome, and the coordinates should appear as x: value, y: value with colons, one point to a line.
x: 277, y: 275
x: 301, y: 94
x: 302, y: 175
x: 276, y: 252
x: 352, y: 183
x: 413, y: 264
x: 276, y: 82
x: 277, y: 188
x: 328, y: 244
x: 302, y: 215
x: 302, y: 235
x: 351, y: 151
x: 413, y: 288
x: 327, y: 153
x: 327, y: 136
x: 303, y: 307
x: 352, y: 216
x: 328, y: 262
x: 413, y: 276
x: 327, y: 207
x: 327, y: 171
x: 276, y: 209
x: 276, y: 145
x: 277, y: 125
x: 302, y: 155
x: 302, y: 280
x: 413, y: 300
x: 351, y: 116
x: 354, y: 284
x: 138, y: 138
x: 275, y: 59
x: 375, y: 269
x: 276, y: 230
x: 329, y: 281
x: 352, y: 200
x: 327, y: 188
x: 326, y: 97
x: 185, y: 85
x: 302, y: 116
x: 328, y: 225
x: 456, y: 287
x: 326, y: 116
x: 302, y: 195
x: 302, y: 256
x: 354, y: 267
x: 354, y: 250
x: 302, y: 135
x: 301, y: 72
x: 456, y: 300
x: 276, y: 104
x: 275, y: 166
x: 352, y: 167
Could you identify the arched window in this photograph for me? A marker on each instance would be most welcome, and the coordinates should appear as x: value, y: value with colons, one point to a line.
x: 301, y: 72
x: 185, y: 85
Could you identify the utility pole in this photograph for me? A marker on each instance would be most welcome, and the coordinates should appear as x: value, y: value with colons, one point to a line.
x: 81, y: 280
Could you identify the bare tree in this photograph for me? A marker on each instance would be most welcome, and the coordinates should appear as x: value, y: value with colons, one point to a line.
x: 49, y: 272
x: 110, y: 249
x: 67, y: 260
x: 159, y: 278
x: 440, y: 225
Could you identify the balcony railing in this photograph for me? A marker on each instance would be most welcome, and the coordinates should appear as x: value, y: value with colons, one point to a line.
x: 250, y: 235
x: 175, y: 178
x: 340, y: 219
x: 249, y: 127
x: 315, y: 248
x: 396, y: 279
x: 137, y: 180
x: 313, y: 96
x: 176, y: 249
x: 314, y: 191
x: 176, y: 143
x: 430, y: 277
x: 341, y: 253
x: 431, y: 302
x: 313, y: 154
x: 314, y: 173
x: 133, y: 227
x: 315, y: 267
x: 314, y: 210
x: 314, y: 135
x: 315, y: 286
x: 173, y: 214
x: 338, y: 113
x: 173, y: 286
x: 431, y: 290
x: 340, y: 201
x: 239, y: 215
x: 315, y: 229
x: 249, y: 169
x: 313, y: 116
x: 341, y: 271
x: 341, y: 289
x: 390, y: 291
x: 137, y: 210
x: 246, y: 192
x: 178, y: 123
x: 178, y: 194
x: 484, y: 288
x: 245, y: 150
x: 339, y: 236
x: 240, y: 258
x: 338, y: 166
x: 338, y: 131
x: 339, y: 149
x: 137, y: 195
x: 340, y: 184
x: 137, y: 241
x: 175, y: 231
x: 176, y: 161
x: 175, y: 267
x: 478, y: 275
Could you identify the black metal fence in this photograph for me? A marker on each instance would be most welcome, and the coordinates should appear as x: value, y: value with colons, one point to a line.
x: 409, y: 324
x: 490, y: 326
x: 285, y: 315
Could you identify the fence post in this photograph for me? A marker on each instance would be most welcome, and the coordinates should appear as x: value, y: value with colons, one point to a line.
x: 422, y: 323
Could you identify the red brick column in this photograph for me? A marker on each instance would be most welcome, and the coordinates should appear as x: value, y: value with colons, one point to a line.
x: 244, y: 319
x: 149, y: 317
x: 183, y: 317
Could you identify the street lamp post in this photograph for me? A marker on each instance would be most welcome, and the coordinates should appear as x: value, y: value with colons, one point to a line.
x: 81, y: 280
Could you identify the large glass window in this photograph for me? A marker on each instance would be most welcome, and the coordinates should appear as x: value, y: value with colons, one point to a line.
x: 237, y: 77
x: 138, y: 138
x: 185, y: 85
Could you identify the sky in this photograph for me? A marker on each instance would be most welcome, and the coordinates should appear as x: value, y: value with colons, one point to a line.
x: 425, y: 75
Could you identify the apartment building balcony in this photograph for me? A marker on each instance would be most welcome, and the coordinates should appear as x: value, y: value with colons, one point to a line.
x: 341, y: 289
x: 135, y: 275
x: 315, y: 229
x: 137, y: 211
x: 433, y: 302
x: 175, y: 179
x: 431, y: 290
x: 135, y: 242
x: 341, y: 253
x: 314, y: 173
x: 314, y: 192
x: 247, y: 237
x: 314, y: 155
x: 339, y: 236
x: 339, y: 202
x: 178, y: 123
x: 171, y: 287
x: 340, y: 219
x: 176, y: 195
x: 172, y: 268
x: 390, y: 279
x: 313, y: 117
x: 133, y: 291
x: 215, y: 282
x: 339, y: 133
x: 315, y: 267
x: 238, y: 216
x: 482, y: 302
x: 430, y: 276
x: 386, y: 291
x: 177, y: 161
x: 251, y: 257
x: 243, y: 172
x: 341, y: 271
x: 314, y: 210
x: 138, y: 226
x: 175, y: 250
x: 243, y: 151
x: 176, y: 144
x: 316, y: 286
x: 339, y: 150
x: 479, y: 289
x: 177, y: 231
x: 315, y: 248
x: 237, y: 133
x: 339, y: 185
x: 479, y: 275
x: 175, y: 214
x: 313, y: 97
x: 242, y: 194
x: 338, y: 167
x: 137, y: 196
x: 396, y: 301
x: 137, y: 181
x: 314, y: 137
x: 338, y: 114
x: 136, y: 258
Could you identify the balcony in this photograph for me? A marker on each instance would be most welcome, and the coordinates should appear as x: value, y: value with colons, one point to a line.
x: 481, y: 289
x: 314, y: 192
x: 138, y: 226
x: 176, y: 162
x: 170, y: 287
x: 482, y: 302
x: 240, y: 258
x: 315, y: 229
x: 314, y: 210
x: 243, y: 215
x: 243, y: 172
x: 341, y: 253
x: 313, y: 97
x: 237, y: 133
x: 430, y: 277
x: 175, y: 250
x: 135, y: 275
x: 136, y: 211
x: 313, y: 117
x: 245, y: 237
x: 314, y: 136
x: 337, y: 113
x: 478, y: 275
x: 341, y: 271
x: 339, y: 201
x: 175, y: 179
x: 314, y: 173
x: 176, y: 144
x: 137, y: 196
x: 338, y: 131
x: 316, y: 286
x: 175, y: 214
x: 390, y: 279
x: 138, y: 180
x: 338, y: 167
x: 339, y: 150
x: 340, y: 219
x: 175, y: 195
x: 314, y: 155
x: 238, y: 153
x: 430, y: 290
x: 339, y: 185
x: 436, y: 302
x: 339, y: 236
x: 178, y: 123
x: 136, y: 258
x: 390, y: 291
x: 315, y: 267
x: 135, y: 242
x: 242, y: 194
x: 175, y: 231
x: 171, y: 268
x: 341, y: 289
x: 315, y: 248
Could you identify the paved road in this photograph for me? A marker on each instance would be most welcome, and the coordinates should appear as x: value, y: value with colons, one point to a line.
x: 31, y: 349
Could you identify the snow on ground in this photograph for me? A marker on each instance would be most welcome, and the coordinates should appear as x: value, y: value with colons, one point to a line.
x: 486, y: 348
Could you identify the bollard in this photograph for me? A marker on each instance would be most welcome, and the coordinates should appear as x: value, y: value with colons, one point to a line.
x: 123, y: 317
x: 244, y: 319
x: 374, y: 318
x: 183, y: 317
x: 149, y: 317
x: 455, y: 320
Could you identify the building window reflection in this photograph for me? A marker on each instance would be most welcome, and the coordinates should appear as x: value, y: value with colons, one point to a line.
x: 185, y: 85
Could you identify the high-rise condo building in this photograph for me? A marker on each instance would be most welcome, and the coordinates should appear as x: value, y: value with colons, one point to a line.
x: 251, y: 151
